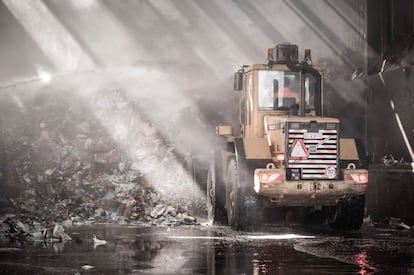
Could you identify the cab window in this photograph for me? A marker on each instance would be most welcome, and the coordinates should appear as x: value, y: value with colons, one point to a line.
x: 311, y: 88
x: 277, y: 89
x: 246, y: 102
x: 280, y: 90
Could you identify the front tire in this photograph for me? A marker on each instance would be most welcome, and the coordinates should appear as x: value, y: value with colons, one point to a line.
x: 242, y: 210
x: 215, y: 193
x: 233, y: 203
x: 348, y: 214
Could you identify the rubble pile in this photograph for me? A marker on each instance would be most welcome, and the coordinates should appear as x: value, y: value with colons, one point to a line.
x: 63, y: 161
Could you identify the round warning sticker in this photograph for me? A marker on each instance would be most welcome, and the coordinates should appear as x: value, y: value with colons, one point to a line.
x: 330, y: 172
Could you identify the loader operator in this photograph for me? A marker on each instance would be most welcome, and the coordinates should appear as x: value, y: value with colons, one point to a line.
x: 285, y: 98
x: 287, y: 92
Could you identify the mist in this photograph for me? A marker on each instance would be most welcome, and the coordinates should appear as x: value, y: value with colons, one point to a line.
x: 150, y: 79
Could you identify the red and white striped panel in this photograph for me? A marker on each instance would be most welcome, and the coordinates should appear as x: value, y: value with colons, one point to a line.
x: 320, y: 158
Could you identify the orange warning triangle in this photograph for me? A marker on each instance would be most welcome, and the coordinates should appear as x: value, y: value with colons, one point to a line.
x: 298, y: 150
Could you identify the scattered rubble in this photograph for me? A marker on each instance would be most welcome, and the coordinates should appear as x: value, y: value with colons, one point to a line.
x: 388, y: 223
x: 97, y: 242
x: 16, y: 229
x: 21, y: 229
x: 59, y: 233
x: 396, y: 223
x: 390, y: 161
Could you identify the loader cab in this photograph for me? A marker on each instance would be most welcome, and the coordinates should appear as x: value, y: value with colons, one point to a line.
x: 281, y: 90
x: 283, y: 87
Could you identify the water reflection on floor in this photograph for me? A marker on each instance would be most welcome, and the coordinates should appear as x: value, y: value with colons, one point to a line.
x: 210, y: 250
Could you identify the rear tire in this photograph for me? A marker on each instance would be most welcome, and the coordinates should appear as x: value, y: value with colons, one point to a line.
x: 348, y: 214
x: 211, y: 193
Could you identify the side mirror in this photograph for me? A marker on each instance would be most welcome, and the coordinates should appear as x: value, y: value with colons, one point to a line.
x: 238, y: 81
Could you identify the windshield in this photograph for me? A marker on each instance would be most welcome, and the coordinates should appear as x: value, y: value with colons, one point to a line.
x: 279, y: 90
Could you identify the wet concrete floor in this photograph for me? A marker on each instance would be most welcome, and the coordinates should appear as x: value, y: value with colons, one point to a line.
x: 270, y: 249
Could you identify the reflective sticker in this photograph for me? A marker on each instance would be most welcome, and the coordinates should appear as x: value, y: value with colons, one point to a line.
x: 313, y: 148
x: 312, y: 135
x: 298, y: 150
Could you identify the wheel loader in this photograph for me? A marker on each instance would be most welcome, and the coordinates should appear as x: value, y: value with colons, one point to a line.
x: 285, y: 153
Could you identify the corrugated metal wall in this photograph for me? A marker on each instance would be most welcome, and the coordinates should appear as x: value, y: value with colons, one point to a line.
x: 388, y: 22
x: 390, y: 127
